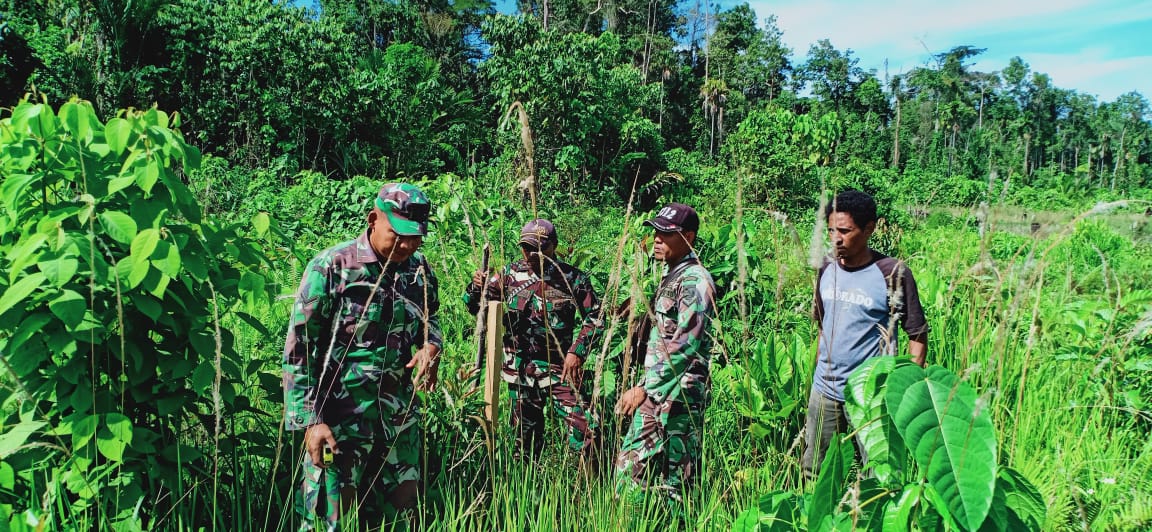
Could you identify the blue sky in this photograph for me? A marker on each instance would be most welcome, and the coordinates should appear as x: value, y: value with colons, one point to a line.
x: 1100, y: 47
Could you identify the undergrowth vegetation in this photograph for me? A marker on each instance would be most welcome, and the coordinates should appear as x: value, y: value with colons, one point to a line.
x: 145, y: 294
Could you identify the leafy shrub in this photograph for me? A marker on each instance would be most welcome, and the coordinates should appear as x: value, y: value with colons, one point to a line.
x: 121, y: 373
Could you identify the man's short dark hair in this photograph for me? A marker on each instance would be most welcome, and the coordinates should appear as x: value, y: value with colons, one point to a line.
x: 860, y: 206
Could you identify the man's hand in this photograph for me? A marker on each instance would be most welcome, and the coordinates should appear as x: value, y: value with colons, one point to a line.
x: 427, y: 364
x: 630, y: 401
x: 478, y: 280
x: 315, y: 438
x: 573, y: 370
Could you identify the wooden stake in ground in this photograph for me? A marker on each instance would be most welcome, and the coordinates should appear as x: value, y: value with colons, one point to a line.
x: 493, y: 363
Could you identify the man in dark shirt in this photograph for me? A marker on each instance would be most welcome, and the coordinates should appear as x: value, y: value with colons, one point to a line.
x: 860, y: 297
x: 551, y: 314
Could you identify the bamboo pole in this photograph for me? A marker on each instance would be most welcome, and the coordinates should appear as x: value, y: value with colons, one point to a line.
x: 494, y: 361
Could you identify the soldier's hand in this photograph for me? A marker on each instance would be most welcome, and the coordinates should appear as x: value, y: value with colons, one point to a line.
x: 630, y: 401
x: 315, y: 438
x: 427, y: 364
x: 573, y: 370
x: 478, y: 280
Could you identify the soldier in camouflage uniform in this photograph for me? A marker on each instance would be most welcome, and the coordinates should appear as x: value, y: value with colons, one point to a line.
x: 545, y: 300
x: 363, y: 307
x: 662, y: 447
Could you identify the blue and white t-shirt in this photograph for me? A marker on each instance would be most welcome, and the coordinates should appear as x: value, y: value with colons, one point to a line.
x: 858, y: 309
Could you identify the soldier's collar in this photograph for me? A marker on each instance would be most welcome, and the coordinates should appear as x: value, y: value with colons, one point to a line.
x: 364, y: 252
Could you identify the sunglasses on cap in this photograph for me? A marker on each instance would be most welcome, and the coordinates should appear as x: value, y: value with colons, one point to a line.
x: 416, y: 212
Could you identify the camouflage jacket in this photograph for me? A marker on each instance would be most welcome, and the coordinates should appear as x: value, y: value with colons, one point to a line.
x: 540, y: 319
x: 353, y: 328
x: 676, y: 367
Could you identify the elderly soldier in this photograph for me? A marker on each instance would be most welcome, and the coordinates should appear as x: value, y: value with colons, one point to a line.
x: 860, y: 297
x: 362, y: 308
x: 662, y: 446
x: 546, y: 300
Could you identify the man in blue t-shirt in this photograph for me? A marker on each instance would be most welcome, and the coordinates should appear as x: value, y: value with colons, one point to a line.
x: 861, y: 295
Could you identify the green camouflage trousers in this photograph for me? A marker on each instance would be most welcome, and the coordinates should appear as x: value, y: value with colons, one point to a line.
x: 374, y: 467
x: 528, y: 405
x: 661, y: 451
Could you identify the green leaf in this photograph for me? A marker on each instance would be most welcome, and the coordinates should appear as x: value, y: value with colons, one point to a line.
x: 203, y: 377
x: 166, y: 258
x: 16, y: 435
x: 832, y: 481
x: 1025, y: 504
x: 144, y: 244
x: 70, y: 307
x: 864, y: 404
x: 16, y: 293
x: 28, y: 327
x: 147, y: 305
x: 115, y: 437
x: 116, y: 184
x: 261, y: 222
x: 950, y: 435
x: 116, y: 132
x: 147, y: 174
x: 59, y: 270
x: 119, y: 226
x: 77, y: 119
x: 84, y: 430
x: 898, y: 516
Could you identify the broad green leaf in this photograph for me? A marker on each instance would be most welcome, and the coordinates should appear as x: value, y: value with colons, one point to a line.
x: 864, y: 404
x: 166, y: 258
x: 832, y: 481
x: 7, y: 477
x: 119, y: 226
x: 778, y: 511
x: 116, y: 132
x: 147, y: 305
x: 70, y: 307
x: 950, y: 436
x: 83, y: 430
x: 1025, y: 504
x: 117, y: 184
x: 15, y: 436
x: 203, y: 377
x: 28, y: 327
x: 261, y: 222
x: 147, y: 174
x: 138, y: 272
x: 144, y: 244
x: 898, y: 516
x: 59, y: 270
x: 77, y: 120
x: 16, y: 293
x: 120, y: 427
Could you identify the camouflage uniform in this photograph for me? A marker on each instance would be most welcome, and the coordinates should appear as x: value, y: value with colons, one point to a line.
x: 354, y: 326
x: 662, y: 446
x: 539, y: 322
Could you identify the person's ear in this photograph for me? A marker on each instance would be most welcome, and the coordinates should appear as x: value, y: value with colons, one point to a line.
x: 372, y: 215
x: 870, y: 227
x: 689, y: 237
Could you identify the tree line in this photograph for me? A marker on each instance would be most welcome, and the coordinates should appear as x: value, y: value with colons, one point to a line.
x: 613, y: 94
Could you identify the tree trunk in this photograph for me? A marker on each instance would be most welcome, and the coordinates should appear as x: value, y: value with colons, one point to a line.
x: 896, y: 139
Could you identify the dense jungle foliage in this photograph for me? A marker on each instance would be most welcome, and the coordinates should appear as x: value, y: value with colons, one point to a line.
x: 168, y: 167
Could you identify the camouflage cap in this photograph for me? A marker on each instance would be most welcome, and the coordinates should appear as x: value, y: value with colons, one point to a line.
x: 407, y: 208
x: 539, y: 233
x: 675, y: 218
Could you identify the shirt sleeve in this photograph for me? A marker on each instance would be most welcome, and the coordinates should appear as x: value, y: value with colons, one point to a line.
x: 589, y: 305
x: 912, y: 313
x: 311, y: 319
x: 694, y: 307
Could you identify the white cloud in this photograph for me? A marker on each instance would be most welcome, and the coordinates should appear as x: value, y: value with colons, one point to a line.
x: 905, y: 33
